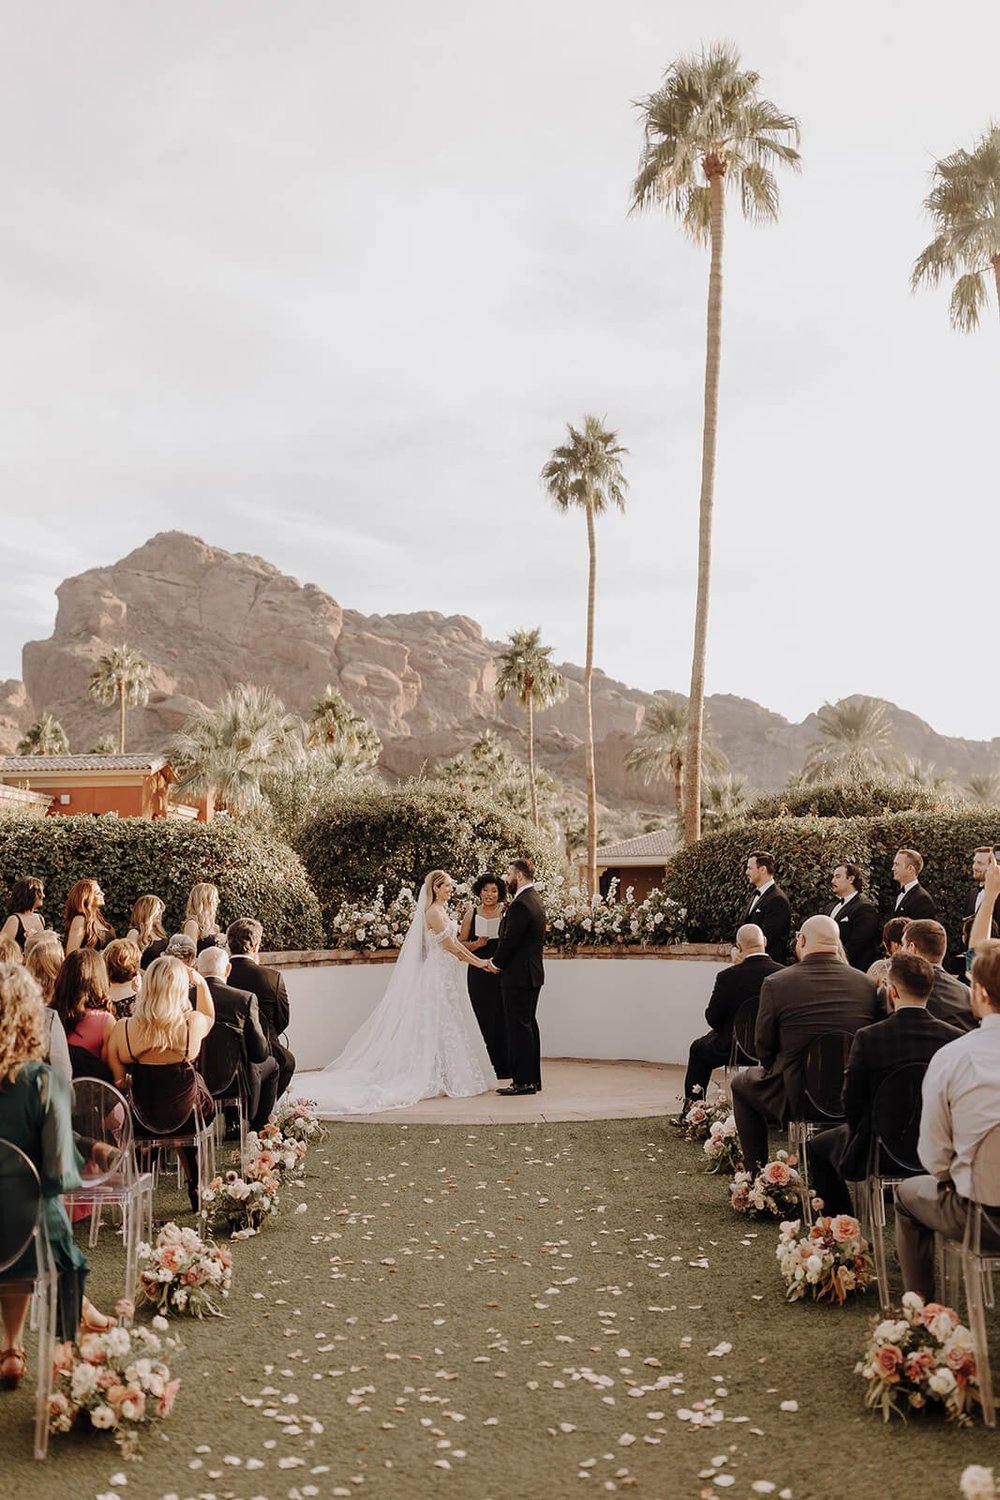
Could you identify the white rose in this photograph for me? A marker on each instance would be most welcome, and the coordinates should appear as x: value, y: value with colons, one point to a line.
x: 977, y: 1483
x: 84, y: 1382
x: 942, y: 1382
x: 103, y: 1416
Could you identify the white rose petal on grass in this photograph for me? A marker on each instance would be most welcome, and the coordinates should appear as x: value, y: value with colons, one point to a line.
x: 763, y: 1487
x: 789, y: 1406
x: 626, y: 1440
x: 724, y: 1480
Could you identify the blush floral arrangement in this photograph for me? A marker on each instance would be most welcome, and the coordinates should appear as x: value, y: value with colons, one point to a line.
x: 296, y: 1119
x: 113, y: 1382
x: 775, y: 1191
x: 180, y: 1272
x: 831, y: 1261
x: 697, y: 1121
x: 920, y: 1360
x: 723, y: 1149
x: 241, y: 1204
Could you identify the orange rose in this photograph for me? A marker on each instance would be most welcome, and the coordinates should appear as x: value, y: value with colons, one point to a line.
x: 844, y: 1227
x: 886, y: 1362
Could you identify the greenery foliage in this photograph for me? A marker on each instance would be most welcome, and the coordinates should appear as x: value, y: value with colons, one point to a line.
x: 863, y: 796
x: 256, y: 874
x: 45, y: 736
x: 394, y: 836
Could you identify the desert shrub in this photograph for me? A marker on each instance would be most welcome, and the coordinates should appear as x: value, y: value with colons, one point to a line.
x: 849, y: 797
x: 392, y: 836
x: 257, y: 875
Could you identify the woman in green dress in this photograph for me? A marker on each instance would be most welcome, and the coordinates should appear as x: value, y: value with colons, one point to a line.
x: 35, y: 1115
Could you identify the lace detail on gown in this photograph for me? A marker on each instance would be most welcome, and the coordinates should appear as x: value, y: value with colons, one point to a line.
x: 421, y: 1040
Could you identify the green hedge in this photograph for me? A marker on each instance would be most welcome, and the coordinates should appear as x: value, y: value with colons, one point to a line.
x: 393, y: 836
x: 852, y: 797
x: 256, y: 874
x: 946, y: 840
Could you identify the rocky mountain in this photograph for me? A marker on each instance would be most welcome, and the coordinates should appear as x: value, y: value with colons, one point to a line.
x: 207, y: 619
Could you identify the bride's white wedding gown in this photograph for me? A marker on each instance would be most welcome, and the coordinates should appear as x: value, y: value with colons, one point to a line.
x: 421, y: 1040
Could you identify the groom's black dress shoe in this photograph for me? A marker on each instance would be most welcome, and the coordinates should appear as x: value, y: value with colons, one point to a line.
x: 519, y: 1088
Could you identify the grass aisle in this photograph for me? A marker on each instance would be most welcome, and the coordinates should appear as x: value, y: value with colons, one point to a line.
x: 510, y: 1311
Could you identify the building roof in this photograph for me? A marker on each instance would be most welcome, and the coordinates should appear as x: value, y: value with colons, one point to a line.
x: 657, y: 845
x: 35, y: 764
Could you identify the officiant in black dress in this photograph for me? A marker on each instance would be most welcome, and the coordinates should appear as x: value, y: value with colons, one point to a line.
x: 480, y: 934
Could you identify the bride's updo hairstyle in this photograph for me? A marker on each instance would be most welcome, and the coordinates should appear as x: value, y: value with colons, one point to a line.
x: 433, y: 880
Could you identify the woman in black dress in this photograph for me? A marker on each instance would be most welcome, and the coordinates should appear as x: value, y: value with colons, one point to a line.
x: 480, y: 933
x: 25, y: 916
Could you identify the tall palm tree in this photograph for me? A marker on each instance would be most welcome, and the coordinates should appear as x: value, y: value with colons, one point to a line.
x: 104, y: 746
x: 660, y: 748
x: 334, y: 727
x: 228, y: 751
x: 121, y: 676
x: 964, y: 207
x: 924, y: 774
x: 45, y: 737
x: 708, y: 121
x: 983, y: 790
x: 527, y: 673
x: 585, y: 473
x: 857, y: 739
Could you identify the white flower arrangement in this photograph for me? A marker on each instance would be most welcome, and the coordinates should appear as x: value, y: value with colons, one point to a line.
x: 179, y: 1272
x: 776, y: 1189
x: 116, y: 1379
x: 241, y: 1204
x: 831, y: 1261
x: 922, y: 1359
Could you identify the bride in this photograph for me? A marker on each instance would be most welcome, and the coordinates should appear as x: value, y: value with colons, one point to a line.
x: 422, y: 1039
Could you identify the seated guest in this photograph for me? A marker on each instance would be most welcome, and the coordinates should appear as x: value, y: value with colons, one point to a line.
x: 732, y: 989
x: 961, y: 1104
x: 43, y: 958
x: 155, y: 1049
x: 949, y: 999
x: 892, y: 942
x: 82, y: 1001
x: 10, y: 951
x: 856, y: 917
x: 24, y: 909
x: 85, y: 926
x: 768, y: 908
x: 237, y: 1038
x: 267, y: 984
x: 184, y: 948
x: 201, y: 916
x: 146, y: 928
x: 908, y: 1035
x: 913, y: 901
x: 124, y: 962
x: 818, y: 994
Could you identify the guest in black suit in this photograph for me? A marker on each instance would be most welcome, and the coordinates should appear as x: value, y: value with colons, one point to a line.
x: 980, y: 860
x: 247, y: 973
x: 732, y: 988
x: 908, y: 1035
x: 913, y: 901
x: 857, y: 917
x: 768, y: 907
x: 518, y: 961
x: 820, y: 993
x: 236, y: 1053
x: 949, y: 1000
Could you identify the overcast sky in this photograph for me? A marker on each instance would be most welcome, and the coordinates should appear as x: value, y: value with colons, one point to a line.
x: 325, y: 281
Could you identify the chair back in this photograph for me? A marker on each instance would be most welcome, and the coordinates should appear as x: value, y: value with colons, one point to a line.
x: 20, y: 1204
x: 986, y: 1171
x: 823, y: 1068
x: 744, y: 1027
x: 102, y: 1127
x: 895, y: 1124
x: 222, y: 1056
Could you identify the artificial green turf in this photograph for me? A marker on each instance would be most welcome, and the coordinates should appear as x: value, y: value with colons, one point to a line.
x: 436, y: 1304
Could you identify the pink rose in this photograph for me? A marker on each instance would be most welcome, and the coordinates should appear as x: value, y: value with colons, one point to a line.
x: 844, y: 1228
x: 886, y: 1362
x: 168, y: 1398
x: 918, y: 1364
x: 776, y: 1174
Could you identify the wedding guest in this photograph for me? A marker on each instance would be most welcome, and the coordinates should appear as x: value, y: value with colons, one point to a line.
x: 480, y: 933
x: 184, y: 948
x: 82, y: 1001
x: 146, y: 928
x: 10, y: 951
x: 155, y: 1049
x: 43, y: 958
x: 913, y: 901
x: 908, y: 1035
x: 961, y: 1104
x: 24, y: 909
x: 237, y: 1036
x: 124, y: 963
x: 892, y: 942
x: 768, y: 908
x: 243, y: 939
x: 82, y: 919
x: 732, y: 989
x: 949, y: 999
x: 816, y: 995
x: 980, y: 860
x: 856, y: 916
x: 201, y: 916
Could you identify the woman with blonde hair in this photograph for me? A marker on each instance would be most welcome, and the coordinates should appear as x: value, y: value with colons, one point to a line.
x: 10, y: 951
x: 43, y: 958
x: 146, y: 928
x: 201, y: 916
x: 156, y: 1047
x: 82, y: 919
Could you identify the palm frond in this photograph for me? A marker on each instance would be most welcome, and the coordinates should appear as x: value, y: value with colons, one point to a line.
x: 969, y: 296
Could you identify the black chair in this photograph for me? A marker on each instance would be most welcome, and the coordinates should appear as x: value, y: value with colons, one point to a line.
x: 892, y: 1156
x: 823, y: 1066
x: 741, y: 1053
x: 222, y: 1058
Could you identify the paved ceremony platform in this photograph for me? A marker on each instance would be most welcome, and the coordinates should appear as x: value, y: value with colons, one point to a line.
x: 573, y: 1089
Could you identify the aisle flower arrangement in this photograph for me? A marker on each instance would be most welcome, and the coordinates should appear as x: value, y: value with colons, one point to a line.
x: 271, y: 1153
x: 723, y: 1149
x: 297, y: 1120
x: 114, y: 1382
x: 831, y: 1261
x: 775, y: 1191
x: 180, y: 1272
x: 922, y: 1359
x: 697, y: 1121
x: 241, y: 1204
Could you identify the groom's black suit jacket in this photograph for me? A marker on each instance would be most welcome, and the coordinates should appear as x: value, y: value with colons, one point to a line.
x: 522, y: 941
x: 773, y: 915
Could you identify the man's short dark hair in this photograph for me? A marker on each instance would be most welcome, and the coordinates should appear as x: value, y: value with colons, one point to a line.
x: 986, y: 970
x: 765, y: 858
x: 912, y: 975
x: 525, y: 867
x: 893, y: 931
x: 244, y: 935
x: 928, y: 937
x: 853, y: 874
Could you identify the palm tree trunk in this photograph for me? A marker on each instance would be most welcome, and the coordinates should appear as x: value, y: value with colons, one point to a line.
x: 715, y: 170
x: 679, y: 789
x: 121, y: 718
x: 531, y: 760
x: 588, y: 712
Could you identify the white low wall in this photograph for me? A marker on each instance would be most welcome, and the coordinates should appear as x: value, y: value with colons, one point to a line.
x: 622, y: 1009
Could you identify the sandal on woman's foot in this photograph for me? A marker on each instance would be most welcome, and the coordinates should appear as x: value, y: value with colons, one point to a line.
x: 13, y: 1368
x: 92, y: 1320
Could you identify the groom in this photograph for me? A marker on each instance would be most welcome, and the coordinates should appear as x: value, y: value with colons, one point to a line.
x: 518, y: 961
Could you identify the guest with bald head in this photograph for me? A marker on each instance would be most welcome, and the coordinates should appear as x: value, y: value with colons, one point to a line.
x: 818, y: 994
x: 733, y: 987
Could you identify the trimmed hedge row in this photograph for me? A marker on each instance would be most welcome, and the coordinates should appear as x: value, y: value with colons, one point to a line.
x: 256, y: 874
x: 854, y: 797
